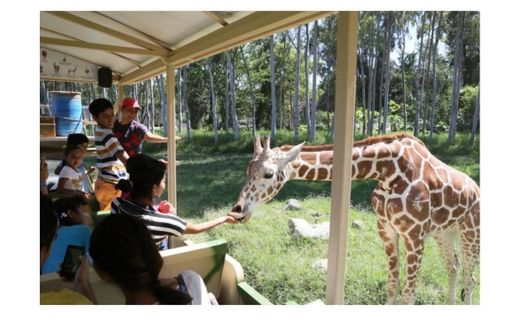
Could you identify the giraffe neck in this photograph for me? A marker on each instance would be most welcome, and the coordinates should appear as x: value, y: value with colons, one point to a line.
x: 369, y: 161
x: 312, y: 166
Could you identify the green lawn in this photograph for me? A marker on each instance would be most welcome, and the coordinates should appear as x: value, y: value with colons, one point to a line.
x: 209, y: 179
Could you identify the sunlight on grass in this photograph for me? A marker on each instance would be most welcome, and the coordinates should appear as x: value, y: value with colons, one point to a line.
x: 209, y: 178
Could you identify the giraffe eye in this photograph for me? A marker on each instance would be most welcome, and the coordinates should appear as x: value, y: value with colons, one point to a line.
x: 268, y: 175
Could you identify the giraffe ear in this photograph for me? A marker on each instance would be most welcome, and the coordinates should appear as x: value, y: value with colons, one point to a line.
x: 290, y: 155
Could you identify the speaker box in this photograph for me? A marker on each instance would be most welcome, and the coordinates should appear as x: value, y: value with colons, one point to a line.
x: 104, y: 77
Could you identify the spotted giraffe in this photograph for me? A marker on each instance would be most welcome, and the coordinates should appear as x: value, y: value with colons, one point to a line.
x: 416, y: 195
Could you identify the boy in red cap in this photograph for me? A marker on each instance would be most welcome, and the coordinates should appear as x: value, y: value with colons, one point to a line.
x: 130, y: 132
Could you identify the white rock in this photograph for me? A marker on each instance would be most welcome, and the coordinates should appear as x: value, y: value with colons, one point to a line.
x: 293, y: 204
x: 301, y: 228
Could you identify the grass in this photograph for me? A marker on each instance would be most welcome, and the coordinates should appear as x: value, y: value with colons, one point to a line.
x: 209, y: 178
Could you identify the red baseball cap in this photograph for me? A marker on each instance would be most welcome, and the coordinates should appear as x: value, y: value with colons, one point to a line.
x: 130, y: 102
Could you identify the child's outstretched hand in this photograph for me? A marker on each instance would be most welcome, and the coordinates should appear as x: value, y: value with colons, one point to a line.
x: 230, y: 220
x: 91, y: 169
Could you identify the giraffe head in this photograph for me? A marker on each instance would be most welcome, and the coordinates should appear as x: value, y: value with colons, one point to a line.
x: 267, y: 172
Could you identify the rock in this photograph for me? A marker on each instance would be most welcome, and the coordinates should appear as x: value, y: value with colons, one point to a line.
x: 320, y: 265
x: 357, y: 224
x: 301, y: 228
x: 293, y: 204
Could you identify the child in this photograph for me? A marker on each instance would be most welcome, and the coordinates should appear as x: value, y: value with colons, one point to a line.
x: 124, y: 253
x: 73, y: 230
x: 111, y: 156
x: 80, y: 140
x: 146, y: 185
x: 71, y: 177
x: 81, y: 293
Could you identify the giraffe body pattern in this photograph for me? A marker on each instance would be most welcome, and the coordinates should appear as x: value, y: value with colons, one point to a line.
x: 417, y: 195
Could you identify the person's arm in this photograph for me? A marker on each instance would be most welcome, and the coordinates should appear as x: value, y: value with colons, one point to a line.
x: 122, y: 156
x: 202, y: 227
x: 59, y: 167
x: 154, y: 138
x: 70, y: 192
x: 81, y: 281
x: 44, y: 174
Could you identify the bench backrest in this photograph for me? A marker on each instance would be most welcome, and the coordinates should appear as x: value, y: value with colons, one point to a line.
x: 207, y: 259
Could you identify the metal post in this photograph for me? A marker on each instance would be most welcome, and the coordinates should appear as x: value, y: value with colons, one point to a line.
x: 343, y: 139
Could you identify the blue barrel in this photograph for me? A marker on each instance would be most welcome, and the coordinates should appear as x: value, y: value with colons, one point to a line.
x: 67, y: 110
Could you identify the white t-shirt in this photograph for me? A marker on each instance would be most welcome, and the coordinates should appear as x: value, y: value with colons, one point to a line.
x: 75, y: 178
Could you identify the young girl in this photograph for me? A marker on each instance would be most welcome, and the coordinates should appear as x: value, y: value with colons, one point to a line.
x: 80, y: 140
x: 71, y: 177
x: 146, y: 184
x: 74, y: 230
x: 124, y: 253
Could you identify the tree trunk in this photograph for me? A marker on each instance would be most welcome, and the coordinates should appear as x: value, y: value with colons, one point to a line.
x: 186, y: 108
x: 152, y: 105
x: 434, y: 81
x: 363, y: 83
x: 403, y: 46
x: 231, y: 65
x: 296, y: 106
x: 251, y: 90
x: 456, y: 78
x: 430, y: 47
x: 273, y: 87
x: 213, y: 101
x: 312, y: 131
x: 307, y: 112
x: 180, y: 101
x: 226, y: 93
x: 417, y: 101
x: 475, y: 119
x: 162, y: 94
x: 147, y: 119
x: 282, y: 79
x: 389, y: 36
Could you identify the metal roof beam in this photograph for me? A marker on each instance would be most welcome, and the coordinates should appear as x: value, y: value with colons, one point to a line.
x: 114, y: 33
x: 252, y: 27
x: 216, y: 17
x: 94, y: 46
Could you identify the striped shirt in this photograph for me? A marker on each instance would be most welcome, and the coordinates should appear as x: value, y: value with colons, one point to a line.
x: 111, y: 169
x: 160, y: 225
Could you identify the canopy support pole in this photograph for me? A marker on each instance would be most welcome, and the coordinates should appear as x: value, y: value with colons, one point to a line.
x: 343, y: 139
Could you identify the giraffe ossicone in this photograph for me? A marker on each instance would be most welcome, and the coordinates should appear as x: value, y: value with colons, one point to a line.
x: 417, y: 195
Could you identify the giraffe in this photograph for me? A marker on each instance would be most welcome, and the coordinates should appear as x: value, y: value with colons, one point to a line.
x: 416, y: 195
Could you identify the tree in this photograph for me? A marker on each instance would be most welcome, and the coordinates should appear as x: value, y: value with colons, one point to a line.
x: 306, y: 69
x: 456, y: 77
x: 231, y: 68
x: 419, y: 71
x: 213, y: 101
x: 273, y: 87
x: 184, y: 77
x: 251, y: 91
x: 475, y: 119
x: 434, y: 82
x: 312, y: 131
x: 296, y: 116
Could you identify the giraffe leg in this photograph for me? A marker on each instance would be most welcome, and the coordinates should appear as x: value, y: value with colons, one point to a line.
x: 470, y: 234
x: 446, y: 241
x: 391, y: 243
x: 414, y: 251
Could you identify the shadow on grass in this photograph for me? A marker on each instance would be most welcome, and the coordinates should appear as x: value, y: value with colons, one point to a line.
x: 205, y: 182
